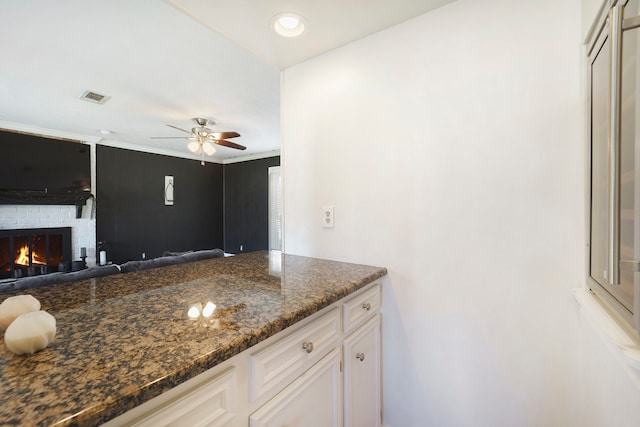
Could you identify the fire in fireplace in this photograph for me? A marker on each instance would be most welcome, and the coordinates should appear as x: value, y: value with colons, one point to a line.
x: 30, y: 252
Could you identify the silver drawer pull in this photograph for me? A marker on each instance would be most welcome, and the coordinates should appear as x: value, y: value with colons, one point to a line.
x: 366, y: 306
x: 307, y: 346
x: 360, y: 356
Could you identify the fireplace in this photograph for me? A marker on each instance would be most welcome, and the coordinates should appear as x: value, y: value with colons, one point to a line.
x: 34, y: 251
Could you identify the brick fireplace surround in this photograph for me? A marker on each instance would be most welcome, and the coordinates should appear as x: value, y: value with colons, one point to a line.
x: 83, y: 229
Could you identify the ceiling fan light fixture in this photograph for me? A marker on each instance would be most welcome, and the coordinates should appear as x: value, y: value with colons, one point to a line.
x: 208, y: 148
x: 201, y: 121
x: 194, y: 146
x: 288, y: 24
x: 203, y: 140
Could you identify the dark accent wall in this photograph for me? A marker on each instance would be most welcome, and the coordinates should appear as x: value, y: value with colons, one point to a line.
x: 130, y: 212
x: 246, y: 205
x: 44, y: 171
x: 39, y: 163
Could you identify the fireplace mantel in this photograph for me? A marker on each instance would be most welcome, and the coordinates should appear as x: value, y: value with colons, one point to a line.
x: 30, y: 197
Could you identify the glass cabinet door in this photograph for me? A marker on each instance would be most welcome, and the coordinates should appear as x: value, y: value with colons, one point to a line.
x: 615, y: 137
x: 629, y: 152
x: 600, y: 112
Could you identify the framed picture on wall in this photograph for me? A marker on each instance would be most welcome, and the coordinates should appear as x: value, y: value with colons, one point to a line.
x: 168, y: 190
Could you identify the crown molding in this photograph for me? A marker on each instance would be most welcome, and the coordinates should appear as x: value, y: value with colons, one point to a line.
x: 50, y: 133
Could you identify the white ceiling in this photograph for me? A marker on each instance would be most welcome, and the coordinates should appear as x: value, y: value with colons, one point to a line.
x: 165, y: 62
x: 329, y: 23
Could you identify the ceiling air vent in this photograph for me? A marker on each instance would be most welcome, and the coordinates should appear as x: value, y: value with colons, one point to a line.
x: 94, y: 97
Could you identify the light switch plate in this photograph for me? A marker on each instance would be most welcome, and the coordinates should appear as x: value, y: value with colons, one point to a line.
x: 327, y: 217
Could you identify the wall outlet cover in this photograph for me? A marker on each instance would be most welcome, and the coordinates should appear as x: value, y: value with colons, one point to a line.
x: 328, y: 217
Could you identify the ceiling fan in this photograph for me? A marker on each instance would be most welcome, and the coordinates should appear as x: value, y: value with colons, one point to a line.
x: 202, y: 139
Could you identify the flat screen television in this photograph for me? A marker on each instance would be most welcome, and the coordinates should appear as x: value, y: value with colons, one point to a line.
x: 38, y: 164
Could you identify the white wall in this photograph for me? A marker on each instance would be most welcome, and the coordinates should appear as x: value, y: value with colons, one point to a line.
x: 451, y: 147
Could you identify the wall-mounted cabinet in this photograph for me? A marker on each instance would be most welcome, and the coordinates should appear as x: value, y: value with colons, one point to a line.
x: 614, y: 246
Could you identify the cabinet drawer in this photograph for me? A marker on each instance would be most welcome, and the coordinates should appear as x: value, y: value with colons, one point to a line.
x: 313, y: 400
x: 282, y: 362
x: 361, y: 308
x: 214, y: 404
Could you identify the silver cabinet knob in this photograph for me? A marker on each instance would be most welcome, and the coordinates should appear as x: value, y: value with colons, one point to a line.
x: 360, y: 356
x: 307, y: 346
x: 366, y: 306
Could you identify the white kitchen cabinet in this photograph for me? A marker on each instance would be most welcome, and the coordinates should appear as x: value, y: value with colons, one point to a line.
x: 323, y: 371
x: 312, y: 400
x: 277, y: 365
x: 308, y: 401
x: 362, y: 376
x: 362, y: 307
x: 212, y: 403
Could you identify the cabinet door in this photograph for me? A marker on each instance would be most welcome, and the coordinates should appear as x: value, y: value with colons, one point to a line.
x: 313, y: 400
x: 362, y: 376
x: 212, y: 405
x: 279, y: 364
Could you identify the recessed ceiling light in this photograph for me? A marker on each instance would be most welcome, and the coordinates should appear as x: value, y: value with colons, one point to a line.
x: 288, y: 24
x: 106, y: 132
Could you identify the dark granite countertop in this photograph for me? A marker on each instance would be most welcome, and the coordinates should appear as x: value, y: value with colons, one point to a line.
x: 124, y: 339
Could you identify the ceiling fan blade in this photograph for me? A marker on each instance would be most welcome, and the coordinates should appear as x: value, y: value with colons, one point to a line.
x: 229, y: 144
x: 183, y: 130
x: 169, y: 137
x: 224, y: 135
